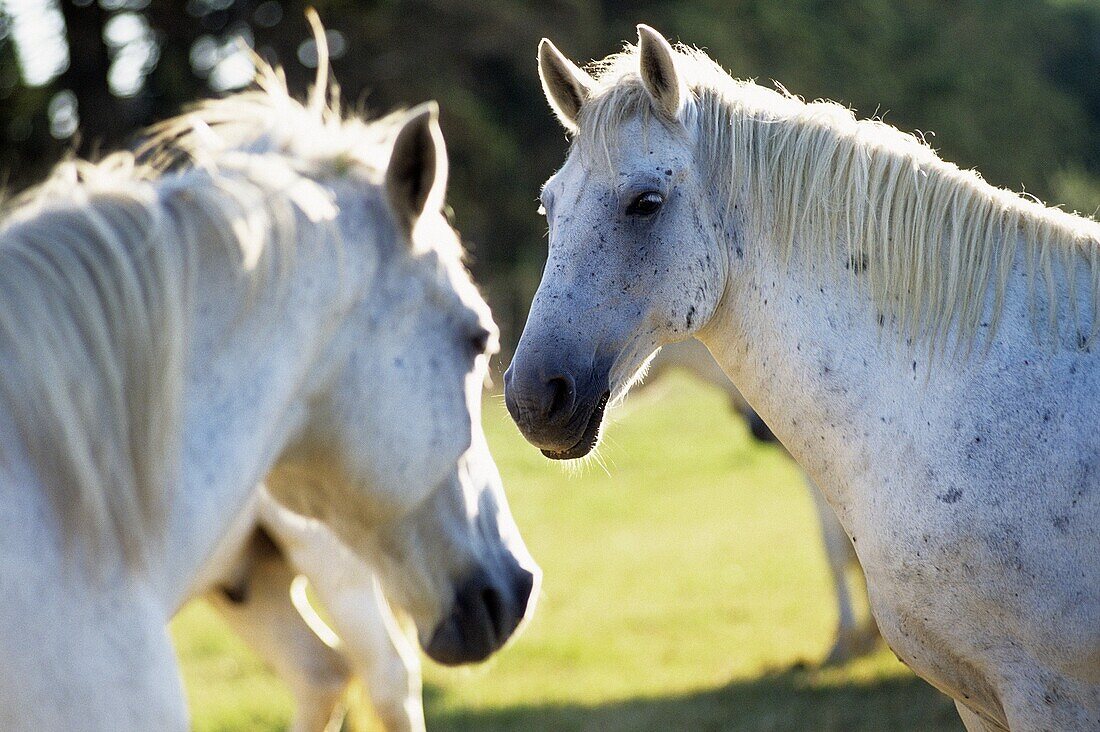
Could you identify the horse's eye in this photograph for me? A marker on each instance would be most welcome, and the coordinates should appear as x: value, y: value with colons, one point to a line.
x: 646, y: 204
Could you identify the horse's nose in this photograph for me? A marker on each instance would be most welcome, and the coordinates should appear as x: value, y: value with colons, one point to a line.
x: 547, y: 397
x: 485, y: 614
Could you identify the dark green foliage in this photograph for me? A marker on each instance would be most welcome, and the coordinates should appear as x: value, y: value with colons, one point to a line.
x: 1007, y: 86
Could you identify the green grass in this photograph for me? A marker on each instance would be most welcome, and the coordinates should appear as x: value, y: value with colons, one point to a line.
x: 685, y: 588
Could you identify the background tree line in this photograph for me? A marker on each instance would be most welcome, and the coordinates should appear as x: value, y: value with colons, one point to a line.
x: 1011, y: 87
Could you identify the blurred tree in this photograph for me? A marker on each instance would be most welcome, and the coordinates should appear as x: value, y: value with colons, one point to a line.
x: 105, y: 120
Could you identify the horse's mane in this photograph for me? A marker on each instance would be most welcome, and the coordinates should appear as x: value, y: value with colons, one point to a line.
x: 933, y: 240
x: 96, y: 280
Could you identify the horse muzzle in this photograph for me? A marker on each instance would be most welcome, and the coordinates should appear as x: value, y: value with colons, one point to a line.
x: 486, y: 612
x: 553, y: 412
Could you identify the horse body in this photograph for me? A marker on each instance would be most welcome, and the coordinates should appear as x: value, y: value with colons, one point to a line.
x: 292, y: 305
x: 259, y: 608
x: 253, y: 583
x: 970, y: 522
x: 901, y: 326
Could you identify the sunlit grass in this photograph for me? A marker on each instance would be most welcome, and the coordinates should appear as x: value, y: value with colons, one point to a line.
x: 684, y: 588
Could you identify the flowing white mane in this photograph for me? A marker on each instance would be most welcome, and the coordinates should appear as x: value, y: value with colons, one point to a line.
x: 934, y: 241
x: 96, y: 288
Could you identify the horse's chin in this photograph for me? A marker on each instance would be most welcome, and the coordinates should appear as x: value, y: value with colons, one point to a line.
x: 588, y: 439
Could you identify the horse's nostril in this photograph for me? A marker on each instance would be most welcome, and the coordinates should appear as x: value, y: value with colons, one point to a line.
x: 561, y: 392
x: 496, y: 612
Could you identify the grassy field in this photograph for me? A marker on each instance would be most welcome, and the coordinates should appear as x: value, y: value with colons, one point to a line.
x: 685, y: 588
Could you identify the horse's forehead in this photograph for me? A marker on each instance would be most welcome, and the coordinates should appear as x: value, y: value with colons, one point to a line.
x: 642, y: 136
x: 637, y: 148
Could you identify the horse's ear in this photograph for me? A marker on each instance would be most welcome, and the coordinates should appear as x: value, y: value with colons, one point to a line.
x: 566, y: 85
x: 416, y: 176
x: 657, y: 67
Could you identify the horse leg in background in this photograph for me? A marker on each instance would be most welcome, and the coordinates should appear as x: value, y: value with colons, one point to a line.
x: 256, y: 603
x: 853, y: 639
x: 370, y: 637
x: 379, y: 650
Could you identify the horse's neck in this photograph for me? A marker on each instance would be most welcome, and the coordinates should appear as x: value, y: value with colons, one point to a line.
x: 803, y: 344
x: 248, y: 378
x: 766, y: 345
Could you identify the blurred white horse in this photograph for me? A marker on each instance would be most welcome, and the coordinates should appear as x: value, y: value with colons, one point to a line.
x: 854, y: 637
x: 257, y: 581
x: 921, y: 342
x: 286, y: 302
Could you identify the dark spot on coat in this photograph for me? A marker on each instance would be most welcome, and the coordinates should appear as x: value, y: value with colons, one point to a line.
x: 951, y: 496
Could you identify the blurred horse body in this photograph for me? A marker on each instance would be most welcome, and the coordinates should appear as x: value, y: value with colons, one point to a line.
x: 256, y: 582
x: 277, y: 296
x: 922, y: 342
x: 854, y: 638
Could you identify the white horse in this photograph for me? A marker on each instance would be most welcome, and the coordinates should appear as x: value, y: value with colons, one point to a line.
x: 291, y: 306
x: 918, y: 339
x: 854, y: 637
x: 256, y: 581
